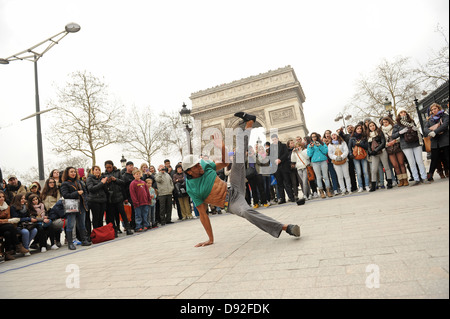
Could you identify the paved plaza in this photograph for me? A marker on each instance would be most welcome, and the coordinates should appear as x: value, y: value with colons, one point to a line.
x: 386, y: 244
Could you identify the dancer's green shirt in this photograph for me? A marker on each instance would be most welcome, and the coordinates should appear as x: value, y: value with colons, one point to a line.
x: 199, y: 188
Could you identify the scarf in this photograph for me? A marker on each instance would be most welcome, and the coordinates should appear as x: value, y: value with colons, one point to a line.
x: 372, y: 135
x: 405, y: 123
x: 357, y: 136
x: 4, y: 206
x: 335, y: 142
x: 438, y: 116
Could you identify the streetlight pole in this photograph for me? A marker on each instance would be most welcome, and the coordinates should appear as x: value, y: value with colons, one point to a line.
x: 34, y: 57
x: 186, y: 120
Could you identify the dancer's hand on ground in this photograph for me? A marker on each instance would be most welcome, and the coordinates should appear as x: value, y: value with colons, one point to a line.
x: 205, y: 243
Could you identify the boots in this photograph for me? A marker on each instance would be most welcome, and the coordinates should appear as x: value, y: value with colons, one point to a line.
x: 85, y: 241
x: 405, y: 180
x: 128, y: 228
x: 21, y: 249
x: 373, y: 187
x: 329, y: 194
x: 322, y: 194
x: 389, y: 183
x: 400, y: 180
x: 70, y: 240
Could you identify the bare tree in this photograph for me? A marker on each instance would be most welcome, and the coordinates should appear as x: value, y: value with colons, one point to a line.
x: 86, y: 120
x: 435, y: 71
x: 390, y: 81
x: 146, y: 136
x: 174, y: 133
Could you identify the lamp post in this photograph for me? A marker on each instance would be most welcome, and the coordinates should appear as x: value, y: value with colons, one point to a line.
x: 388, y: 107
x: 32, y: 55
x: 186, y: 120
x: 123, y: 162
x: 344, y: 117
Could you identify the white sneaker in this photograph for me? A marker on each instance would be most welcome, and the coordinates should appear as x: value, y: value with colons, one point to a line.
x: 27, y: 254
x: 336, y: 193
x: 54, y: 247
x: 360, y: 190
x: 316, y: 195
x: 43, y: 250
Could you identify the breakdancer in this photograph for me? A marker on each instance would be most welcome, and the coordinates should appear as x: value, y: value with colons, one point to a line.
x: 205, y: 187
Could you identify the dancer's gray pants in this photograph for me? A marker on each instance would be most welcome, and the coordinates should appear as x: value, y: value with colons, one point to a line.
x: 236, y: 194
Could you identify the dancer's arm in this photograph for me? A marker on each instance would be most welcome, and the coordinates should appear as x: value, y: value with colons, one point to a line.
x: 218, y: 142
x: 204, y: 218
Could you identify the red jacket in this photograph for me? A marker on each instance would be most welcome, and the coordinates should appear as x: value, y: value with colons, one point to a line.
x: 139, y: 193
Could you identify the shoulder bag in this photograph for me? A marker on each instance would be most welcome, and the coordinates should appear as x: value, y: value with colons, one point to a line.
x: 309, y: 170
x: 359, y: 153
x: 338, y: 152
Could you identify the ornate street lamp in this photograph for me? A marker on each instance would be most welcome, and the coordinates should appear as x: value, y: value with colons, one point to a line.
x: 186, y: 120
x: 32, y: 55
x: 123, y: 162
x: 388, y: 107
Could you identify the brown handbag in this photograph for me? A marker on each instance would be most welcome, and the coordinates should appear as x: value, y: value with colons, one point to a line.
x: 309, y: 170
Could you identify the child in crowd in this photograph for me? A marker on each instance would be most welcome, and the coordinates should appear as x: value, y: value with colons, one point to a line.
x: 140, y: 196
x: 152, y: 191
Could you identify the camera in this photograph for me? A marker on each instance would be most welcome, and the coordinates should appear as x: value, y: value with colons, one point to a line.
x: 165, y: 169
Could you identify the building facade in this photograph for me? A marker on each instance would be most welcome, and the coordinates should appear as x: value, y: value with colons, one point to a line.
x: 275, y: 97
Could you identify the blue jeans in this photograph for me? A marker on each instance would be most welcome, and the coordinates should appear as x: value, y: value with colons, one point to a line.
x: 27, y: 236
x: 141, y: 216
x: 358, y: 164
x: 80, y: 221
x: 334, y: 178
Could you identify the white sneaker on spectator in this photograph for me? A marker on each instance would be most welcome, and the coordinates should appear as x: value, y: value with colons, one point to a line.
x: 54, y: 247
x: 360, y: 190
x: 43, y: 250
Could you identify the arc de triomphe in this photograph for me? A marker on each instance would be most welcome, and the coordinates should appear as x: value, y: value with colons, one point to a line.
x: 275, y: 97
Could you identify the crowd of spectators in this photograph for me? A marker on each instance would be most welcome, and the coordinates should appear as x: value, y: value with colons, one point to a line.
x: 371, y: 155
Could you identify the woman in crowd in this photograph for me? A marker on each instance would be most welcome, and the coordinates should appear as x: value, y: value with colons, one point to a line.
x: 179, y: 181
x: 334, y: 178
x: 377, y: 152
x: 72, y: 188
x: 95, y: 184
x: 338, y: 153
x: 50, y: 194
x: 300, y: 157
x: 317, y: 152
x: 437, y: 128
x: 411, y: 145
x: 37, y: 210
x: 114, y: 195
x: 49, y: 197
x: 395, y: 154
x: 56, y: 175
x: 27, y: 224
x: 359, y: 139
x: 9, y: 231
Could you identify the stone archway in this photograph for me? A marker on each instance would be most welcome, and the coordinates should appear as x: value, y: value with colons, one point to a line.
x: 275, y: 97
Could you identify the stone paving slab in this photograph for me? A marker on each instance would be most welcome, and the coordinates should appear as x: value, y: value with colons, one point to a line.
x: 396, y: 238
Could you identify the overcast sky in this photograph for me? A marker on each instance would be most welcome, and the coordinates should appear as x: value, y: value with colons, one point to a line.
x: 157, y: 53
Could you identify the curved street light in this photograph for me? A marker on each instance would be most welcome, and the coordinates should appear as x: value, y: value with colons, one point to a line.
x: 32, y: 54
x: 344, y: 117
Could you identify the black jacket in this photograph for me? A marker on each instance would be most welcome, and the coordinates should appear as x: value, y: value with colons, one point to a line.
x: 57, y: 211
x: 283, y: 156
x: 353, y: 142
x: 69, y: 189
x: 96, y: 189
x: 114, y: 188
x: 381, y: 141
